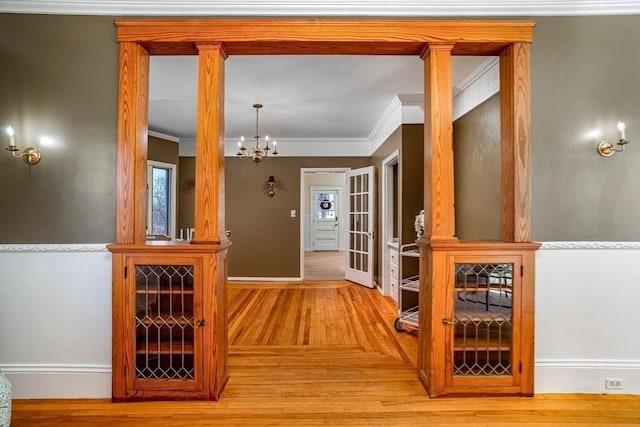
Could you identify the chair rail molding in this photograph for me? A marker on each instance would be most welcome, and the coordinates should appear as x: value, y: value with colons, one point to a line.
x: 588, y: 245
x: 53, y: 247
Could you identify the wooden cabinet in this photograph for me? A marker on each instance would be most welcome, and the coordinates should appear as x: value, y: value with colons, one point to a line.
x: 169, y: 322
x: 480, y: 319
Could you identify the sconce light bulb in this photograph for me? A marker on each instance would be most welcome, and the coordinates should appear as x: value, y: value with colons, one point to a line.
x: 242, y: 139
x: 10, y: 131
x: 275, y: 143
x: 266, y: 138
x: 621, y: 128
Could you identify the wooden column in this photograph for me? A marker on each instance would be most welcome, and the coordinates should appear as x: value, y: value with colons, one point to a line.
x: 209, y: 202
x: 131, y: 209
x: 515, y: 119
x: 439, y: 213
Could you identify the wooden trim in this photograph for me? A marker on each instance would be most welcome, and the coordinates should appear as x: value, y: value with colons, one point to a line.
x: 439, y: 214
x: 209, y: 202
x: 247, y: 36
x: 168, y: 247
x: 133, y: 104
x: 527, y: 325
x: 515, y: 132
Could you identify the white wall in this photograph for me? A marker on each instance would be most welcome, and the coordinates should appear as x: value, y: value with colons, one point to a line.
x: 55, y: 318
x: 587, y: 317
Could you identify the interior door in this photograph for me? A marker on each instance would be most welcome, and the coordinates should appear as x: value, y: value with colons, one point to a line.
x: 360, y: 208
x: 325, y: 204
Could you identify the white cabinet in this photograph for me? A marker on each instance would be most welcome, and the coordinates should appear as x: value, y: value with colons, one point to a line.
x: 392, y: 250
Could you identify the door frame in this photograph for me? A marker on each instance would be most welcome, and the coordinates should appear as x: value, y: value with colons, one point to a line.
x: 304, y: 202
x: 387, y: 216
x: 435, y: 41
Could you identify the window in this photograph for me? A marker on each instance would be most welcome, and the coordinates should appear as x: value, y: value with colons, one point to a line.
x: 161, y: 198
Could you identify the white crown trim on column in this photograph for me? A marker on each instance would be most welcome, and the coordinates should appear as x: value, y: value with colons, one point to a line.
x: 324, y: 8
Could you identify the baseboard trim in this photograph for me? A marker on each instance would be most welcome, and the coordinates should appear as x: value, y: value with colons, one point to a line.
x: 586, y: 375
x: 265, y: 279
x: 59, y: 381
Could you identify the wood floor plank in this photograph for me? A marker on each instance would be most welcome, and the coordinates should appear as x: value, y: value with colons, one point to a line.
x: 326, y: 354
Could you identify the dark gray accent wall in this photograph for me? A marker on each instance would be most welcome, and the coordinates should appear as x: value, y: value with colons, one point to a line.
x: 585, y: 74
x: 59, y: 77
x: 266, y: 240
x: 476, y: 153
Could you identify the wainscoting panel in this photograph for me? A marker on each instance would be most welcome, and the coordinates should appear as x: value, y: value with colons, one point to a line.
x: 55, y: 320
x: 587, y: 317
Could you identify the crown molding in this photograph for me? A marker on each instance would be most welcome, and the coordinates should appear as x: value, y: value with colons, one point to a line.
x: 480, y: 85
x: 409, y: 8
x: 163, y: 136
x: 313, y: 147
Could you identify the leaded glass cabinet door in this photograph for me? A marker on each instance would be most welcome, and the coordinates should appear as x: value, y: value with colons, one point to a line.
x: 167, y: 323
x: 483, y: 321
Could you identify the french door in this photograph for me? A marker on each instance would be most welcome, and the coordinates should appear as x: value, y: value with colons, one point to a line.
x: 360, y: 208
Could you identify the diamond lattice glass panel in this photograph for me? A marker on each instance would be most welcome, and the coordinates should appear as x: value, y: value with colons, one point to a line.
x: 482, y: 321
x: 164, y: 321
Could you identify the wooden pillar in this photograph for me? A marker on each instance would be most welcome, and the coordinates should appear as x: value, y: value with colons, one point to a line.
x: 131, y: 209
x: 515, y: 122
x: 439, y: 213
x: 209, y: 201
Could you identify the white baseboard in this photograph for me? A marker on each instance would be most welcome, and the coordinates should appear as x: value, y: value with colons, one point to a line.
x: 58, y: 381
x: 265, y: 279
x: 585, y: 375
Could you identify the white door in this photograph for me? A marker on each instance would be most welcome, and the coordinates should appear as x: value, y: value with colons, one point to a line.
x: 325, y: 204
x: 360, y: 208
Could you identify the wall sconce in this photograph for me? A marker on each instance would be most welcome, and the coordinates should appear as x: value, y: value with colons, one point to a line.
x: 270, y: 182
x: 606, y: 148
x: 30, y: 155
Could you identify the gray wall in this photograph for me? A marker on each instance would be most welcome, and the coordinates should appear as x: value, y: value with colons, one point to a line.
x: 59, y: 77
x: 585, y: 74
x: 476, y: 151
x: 266, y: 240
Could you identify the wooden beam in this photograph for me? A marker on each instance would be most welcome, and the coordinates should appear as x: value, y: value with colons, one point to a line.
x: 131, y: 209
x: 209, y: 201
x: 439, y: 213
x: 515, y: 120
x: 327, y: 36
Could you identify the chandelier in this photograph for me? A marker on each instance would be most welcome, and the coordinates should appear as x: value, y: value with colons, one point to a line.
x: 257, y: 152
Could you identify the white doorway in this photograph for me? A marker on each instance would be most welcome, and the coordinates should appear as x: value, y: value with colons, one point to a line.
x: 390, y: 224
x: 325, y: 208
x: 325, y: 238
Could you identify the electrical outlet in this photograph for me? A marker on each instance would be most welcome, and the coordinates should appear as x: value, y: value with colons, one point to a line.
x: 613, y: 383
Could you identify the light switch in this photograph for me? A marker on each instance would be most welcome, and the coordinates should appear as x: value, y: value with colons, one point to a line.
x: 293, y: 213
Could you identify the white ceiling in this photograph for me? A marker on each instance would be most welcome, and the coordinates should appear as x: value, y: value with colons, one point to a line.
x: 328, y: 97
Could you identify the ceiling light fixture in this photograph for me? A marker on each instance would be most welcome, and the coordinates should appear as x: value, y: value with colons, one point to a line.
x: 257, y: 152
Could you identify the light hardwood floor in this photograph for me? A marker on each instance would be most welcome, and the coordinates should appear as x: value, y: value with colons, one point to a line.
x: 324, y: 265
x: 326, y: 354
